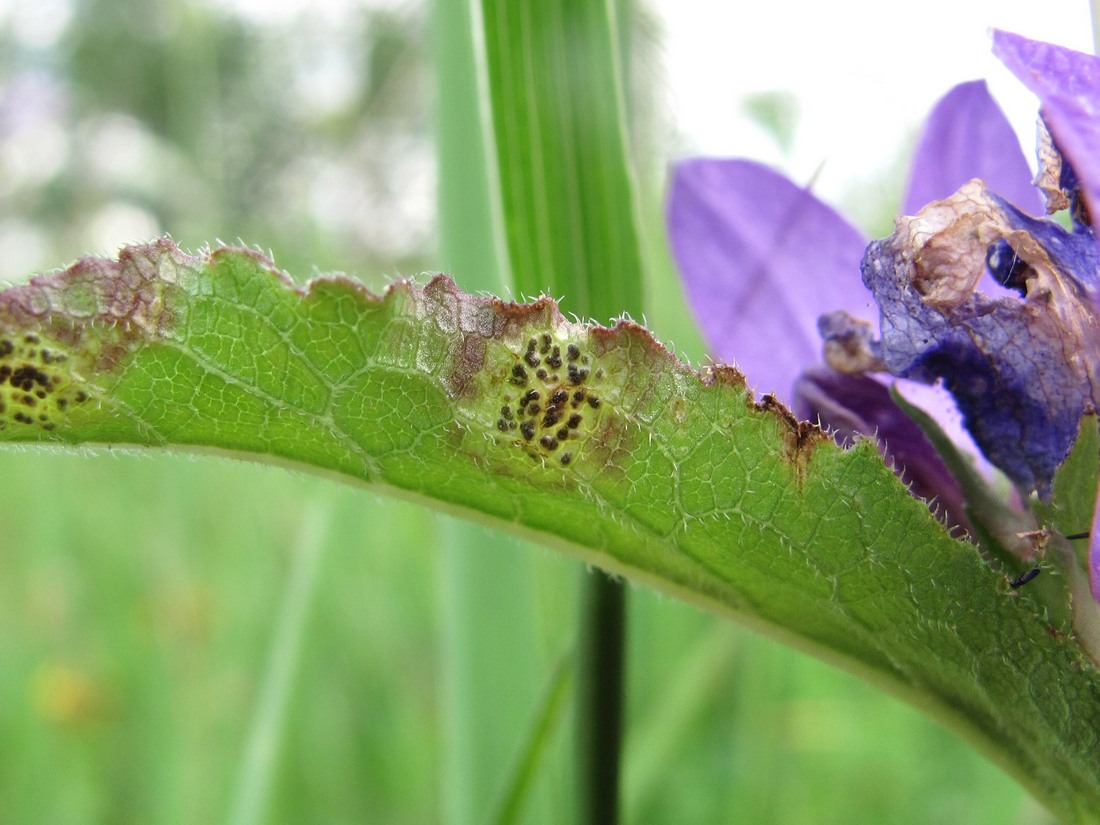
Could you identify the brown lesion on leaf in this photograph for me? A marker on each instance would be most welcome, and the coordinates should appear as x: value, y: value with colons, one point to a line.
x: 37, y: 387
x: 800, y: 438
x: 127, y: 292
x: 629, y: 334
x: 58, y: 330
x: 101, y: 308
x: 724, y: 375
x: 549, y: 408
x: 529, y: 380
x: 564, y: 394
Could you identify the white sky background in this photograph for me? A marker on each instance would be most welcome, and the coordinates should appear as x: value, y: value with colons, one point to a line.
x: 864, y: 74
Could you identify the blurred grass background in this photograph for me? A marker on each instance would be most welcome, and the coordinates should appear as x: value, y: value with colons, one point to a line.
x: 139, y: 594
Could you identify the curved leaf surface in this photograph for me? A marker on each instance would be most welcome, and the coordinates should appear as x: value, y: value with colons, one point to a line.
x: 597, y: 440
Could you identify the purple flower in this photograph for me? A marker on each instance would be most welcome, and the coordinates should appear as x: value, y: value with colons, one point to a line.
x: 762, y: 259
x: 1023, y: 367
x: 1067, y: 84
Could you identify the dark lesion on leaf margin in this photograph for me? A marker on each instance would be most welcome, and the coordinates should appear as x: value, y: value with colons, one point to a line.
x: 131, y: 298
x: 800, y: 438
x: 477, y: 320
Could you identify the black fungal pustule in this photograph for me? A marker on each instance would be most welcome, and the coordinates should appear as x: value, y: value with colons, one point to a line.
x: 26, y: 376
x: 541, y: 410
x: 36, y: 387
x: 529, y: 356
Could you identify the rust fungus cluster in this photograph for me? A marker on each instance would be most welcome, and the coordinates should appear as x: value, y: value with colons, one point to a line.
x: 548, y: 405
x: 34, y: 386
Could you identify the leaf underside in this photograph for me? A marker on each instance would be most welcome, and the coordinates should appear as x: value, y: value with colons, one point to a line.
x: 595, y: 439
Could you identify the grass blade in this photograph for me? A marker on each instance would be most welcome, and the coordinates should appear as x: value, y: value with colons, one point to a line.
x: 261, y: 752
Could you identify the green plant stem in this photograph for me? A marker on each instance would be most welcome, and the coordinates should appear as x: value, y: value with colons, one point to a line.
x: 599, y: 704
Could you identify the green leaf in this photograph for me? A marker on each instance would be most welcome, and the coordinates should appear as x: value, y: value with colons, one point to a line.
x: 997, y: 525
x: 1013, y: 541
x: 1069, y: 512
x: 669, y: 476
x: 1073, y: 494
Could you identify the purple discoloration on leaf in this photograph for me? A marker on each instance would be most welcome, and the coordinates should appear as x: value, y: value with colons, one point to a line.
x: 1067, y: 83
x: 967, y: 136
x: 761, y: 258
x: 1023, y: 370
x: 58, y: 331
x: 128, y: 294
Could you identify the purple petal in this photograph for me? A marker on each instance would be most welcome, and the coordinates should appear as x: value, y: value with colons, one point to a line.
x: 967, y: 136
x: 1067, y: 83
x: 855, y: 404
x: 761, y: 258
